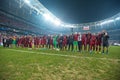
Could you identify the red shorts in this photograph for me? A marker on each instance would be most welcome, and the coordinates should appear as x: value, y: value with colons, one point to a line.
x: 64, y: 43
x: 83, y: 43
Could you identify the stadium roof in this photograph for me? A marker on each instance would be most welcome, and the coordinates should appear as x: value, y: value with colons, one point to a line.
x: 82, y: 11
x: 43, y: 17
x: 48, y: 15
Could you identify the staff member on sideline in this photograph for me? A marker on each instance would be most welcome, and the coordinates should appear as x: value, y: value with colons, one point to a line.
x: 79, y: 42
x: 105, y: 42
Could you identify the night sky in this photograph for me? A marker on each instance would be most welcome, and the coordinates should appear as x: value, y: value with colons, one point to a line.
x: 82, y: 11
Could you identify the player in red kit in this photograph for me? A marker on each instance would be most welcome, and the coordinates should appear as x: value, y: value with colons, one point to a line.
x: 64, y: 42
x: 51, y: 42
x: 37, y: 42
x: 75, y: 42
x: 30, y: 42
x: 92, y: 42
x: 20, y: 42
x: 88, y: 40
x: 25, y: 40
x: 40, y: 42
x: 84, y: 41
x: 98, y: 42
x: 44, y: 41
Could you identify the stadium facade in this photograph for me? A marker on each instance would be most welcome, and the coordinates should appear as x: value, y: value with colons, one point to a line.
x: 25, y: 18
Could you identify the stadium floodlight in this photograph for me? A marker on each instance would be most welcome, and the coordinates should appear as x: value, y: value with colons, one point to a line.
x: 57, y: 22
x: 69, y: 26
x: 47, y: 16
x: 107, y: 21
x: 63, y: 25
x: 72, y: 26
x: 51, y: 19
x: 118, y: 18
x: 27, y: 1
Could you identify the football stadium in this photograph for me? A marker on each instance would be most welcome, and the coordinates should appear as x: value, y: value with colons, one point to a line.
x: 59, y: 40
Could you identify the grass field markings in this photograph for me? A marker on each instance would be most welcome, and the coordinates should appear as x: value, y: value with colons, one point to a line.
x: 62, y: 55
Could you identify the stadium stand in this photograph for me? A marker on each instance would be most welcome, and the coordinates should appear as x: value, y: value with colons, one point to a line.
x: 21, y: 20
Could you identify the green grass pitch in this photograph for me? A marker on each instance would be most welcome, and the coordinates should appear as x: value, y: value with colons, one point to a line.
x: 25, y: 64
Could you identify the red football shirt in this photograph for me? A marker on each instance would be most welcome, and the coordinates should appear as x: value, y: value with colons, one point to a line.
x: 75, y: 37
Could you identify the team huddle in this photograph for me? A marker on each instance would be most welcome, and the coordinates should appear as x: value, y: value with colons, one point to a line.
x: 91, y: 42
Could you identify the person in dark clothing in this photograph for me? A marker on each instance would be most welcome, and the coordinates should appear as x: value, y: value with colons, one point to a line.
x: 105, y: 42
x: 4, y: 42
x: 70, y: 44
x: 7, y: 42
x: 98, y: 42
x: 48, y: 41
x: 60, y: 42
x: 79, y: 42
x: 17, y: 39
x: 88, y: 37
x: 67, y: 41
x: 10, y: 41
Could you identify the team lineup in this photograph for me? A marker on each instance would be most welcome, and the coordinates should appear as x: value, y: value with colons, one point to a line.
x: 91, y: 42
x: 59, y: 39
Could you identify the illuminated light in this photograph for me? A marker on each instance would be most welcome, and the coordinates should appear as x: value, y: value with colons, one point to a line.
x: 118, y: 18
x: 69, y: 26
x: 47, y: 17
x: 51, y: 19
x: 106, y: 22
x: 63, y: 25
x: 57, y: 22
x: 27, y: 1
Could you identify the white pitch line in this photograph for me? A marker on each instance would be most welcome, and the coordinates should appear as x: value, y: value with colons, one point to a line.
x: 63, y: 55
